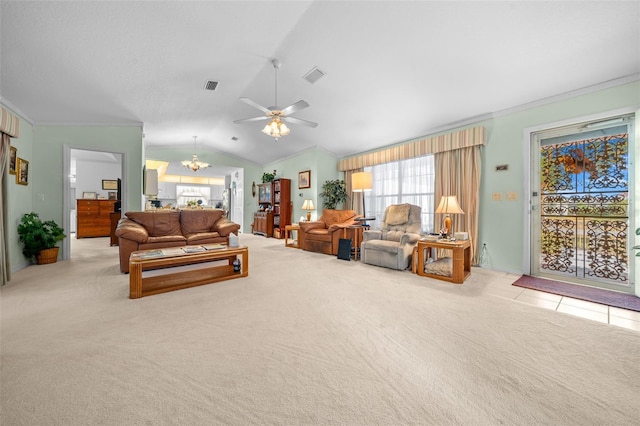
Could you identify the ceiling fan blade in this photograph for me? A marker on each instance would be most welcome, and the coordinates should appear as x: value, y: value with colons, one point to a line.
x: 294, y: 120
x: 255, y: 105
x: 249, y: 120
x: 295, y: 107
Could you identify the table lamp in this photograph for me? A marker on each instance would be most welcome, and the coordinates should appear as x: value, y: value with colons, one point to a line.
x: 361, y: 182
x: 448, y: 205
x: 308, y: 206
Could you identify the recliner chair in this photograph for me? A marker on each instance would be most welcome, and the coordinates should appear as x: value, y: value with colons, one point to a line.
x: 392, y: 245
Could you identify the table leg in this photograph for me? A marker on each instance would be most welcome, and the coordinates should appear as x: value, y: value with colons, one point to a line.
x: 135, y: 280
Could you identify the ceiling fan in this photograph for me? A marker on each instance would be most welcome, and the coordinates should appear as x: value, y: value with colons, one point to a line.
x: 276, y: 128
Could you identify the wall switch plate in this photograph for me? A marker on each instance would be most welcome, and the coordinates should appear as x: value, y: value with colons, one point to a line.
x: 512, y: 196
x: 497, y: 196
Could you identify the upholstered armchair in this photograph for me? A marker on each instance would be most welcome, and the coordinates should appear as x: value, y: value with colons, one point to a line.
x: 393, y: 244
x: 324, y: 235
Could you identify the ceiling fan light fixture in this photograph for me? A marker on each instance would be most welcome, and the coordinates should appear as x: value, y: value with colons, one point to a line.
x: 276, y: 128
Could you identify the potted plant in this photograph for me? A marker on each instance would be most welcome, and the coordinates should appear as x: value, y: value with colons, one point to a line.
x: 334, y: 192
x: 40, y: 238
x: 268, y: 177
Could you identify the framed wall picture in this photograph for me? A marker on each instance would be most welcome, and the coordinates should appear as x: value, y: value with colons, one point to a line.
x: 113, y: 195
x: 13, y: 158
x: 22, y: 171
x: 304, y: 179
x: 89, y: 195
x: 110, y: 185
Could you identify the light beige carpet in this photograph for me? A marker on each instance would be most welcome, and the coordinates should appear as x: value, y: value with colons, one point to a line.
x: 305, y: 339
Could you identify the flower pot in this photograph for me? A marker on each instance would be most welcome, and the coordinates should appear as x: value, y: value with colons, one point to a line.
x: 48, y: 256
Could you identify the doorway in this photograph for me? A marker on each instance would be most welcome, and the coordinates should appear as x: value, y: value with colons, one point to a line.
x: 85, y: 170
x: 581, y: 226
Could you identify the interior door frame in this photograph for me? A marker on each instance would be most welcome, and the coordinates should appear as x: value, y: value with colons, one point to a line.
x: 528, y: 199
x: 66, y: 184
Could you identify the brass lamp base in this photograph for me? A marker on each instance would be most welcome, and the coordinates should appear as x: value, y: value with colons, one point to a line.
x: 447, y: 225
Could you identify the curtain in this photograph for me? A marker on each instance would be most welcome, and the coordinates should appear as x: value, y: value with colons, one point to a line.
x: 458, y: 173
x: 5, y: 148
x: 9, y: 127
x: 417, y: 148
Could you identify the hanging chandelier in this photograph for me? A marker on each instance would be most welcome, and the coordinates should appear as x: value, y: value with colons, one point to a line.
x: 194, y: 164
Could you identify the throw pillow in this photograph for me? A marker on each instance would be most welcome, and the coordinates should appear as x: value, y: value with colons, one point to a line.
x: 398, y: 214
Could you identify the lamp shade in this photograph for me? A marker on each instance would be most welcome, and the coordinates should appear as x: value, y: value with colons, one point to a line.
x: 308, y: 205
x: 361, y: 181
x: 449, y: 204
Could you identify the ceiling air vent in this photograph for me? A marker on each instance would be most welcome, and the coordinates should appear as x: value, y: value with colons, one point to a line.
x: 211, y: 85
x: 314, y: 75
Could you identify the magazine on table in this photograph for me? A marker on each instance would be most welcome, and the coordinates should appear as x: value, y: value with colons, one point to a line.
x: 173, y: 251
x: 193, y: 249
x: 148, y: 254
x: 214, y: 246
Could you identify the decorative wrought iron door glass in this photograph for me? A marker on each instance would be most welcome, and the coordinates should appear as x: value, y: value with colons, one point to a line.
x: 584, y: 206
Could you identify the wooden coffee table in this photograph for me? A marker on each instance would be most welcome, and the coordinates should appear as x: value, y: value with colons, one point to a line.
x: 174, y: 269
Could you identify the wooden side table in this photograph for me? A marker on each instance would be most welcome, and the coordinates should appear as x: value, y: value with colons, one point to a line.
x: 295, y: 243
x: 354, y: 233
x: 461, y: 265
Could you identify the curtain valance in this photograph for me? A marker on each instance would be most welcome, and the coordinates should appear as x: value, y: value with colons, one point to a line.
x: 430, y: 145
x: 9, y: 123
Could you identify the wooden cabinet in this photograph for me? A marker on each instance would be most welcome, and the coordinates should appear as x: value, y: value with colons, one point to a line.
x: 281, y: 203
x: 274, y: 199
x: 94, y: 218
x: 264, y: 195
x: 263, y: 223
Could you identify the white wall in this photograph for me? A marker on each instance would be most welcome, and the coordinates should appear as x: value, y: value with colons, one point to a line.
x: 89, y: 176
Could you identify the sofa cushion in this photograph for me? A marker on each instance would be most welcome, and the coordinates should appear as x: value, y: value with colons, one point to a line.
x: 398, y: 214
x: 382, y: 245
x: 158, y: 223
x: 202, y: 237
x: 165, y: 239
x: 198, y: 221
x: 321, y: 234
x: 332, y: 217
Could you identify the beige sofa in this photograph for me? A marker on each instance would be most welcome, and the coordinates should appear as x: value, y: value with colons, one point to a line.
x: 170, y: 228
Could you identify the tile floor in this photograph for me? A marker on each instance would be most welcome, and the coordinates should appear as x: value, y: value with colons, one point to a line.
x: 581, y: 308
x: 500, y: 285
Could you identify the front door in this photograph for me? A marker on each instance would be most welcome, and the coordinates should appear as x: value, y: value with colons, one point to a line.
x: 580, y: 217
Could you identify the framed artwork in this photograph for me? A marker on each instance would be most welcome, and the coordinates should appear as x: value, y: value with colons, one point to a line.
x: 89, y: 195
x: 109, y: 184
x: 113, y: 195
x: 304, y: 179
x: 13, y: 158
x: 22, y: 171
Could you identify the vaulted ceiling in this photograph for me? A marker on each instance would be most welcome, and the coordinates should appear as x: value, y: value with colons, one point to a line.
x: 395, y: 70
